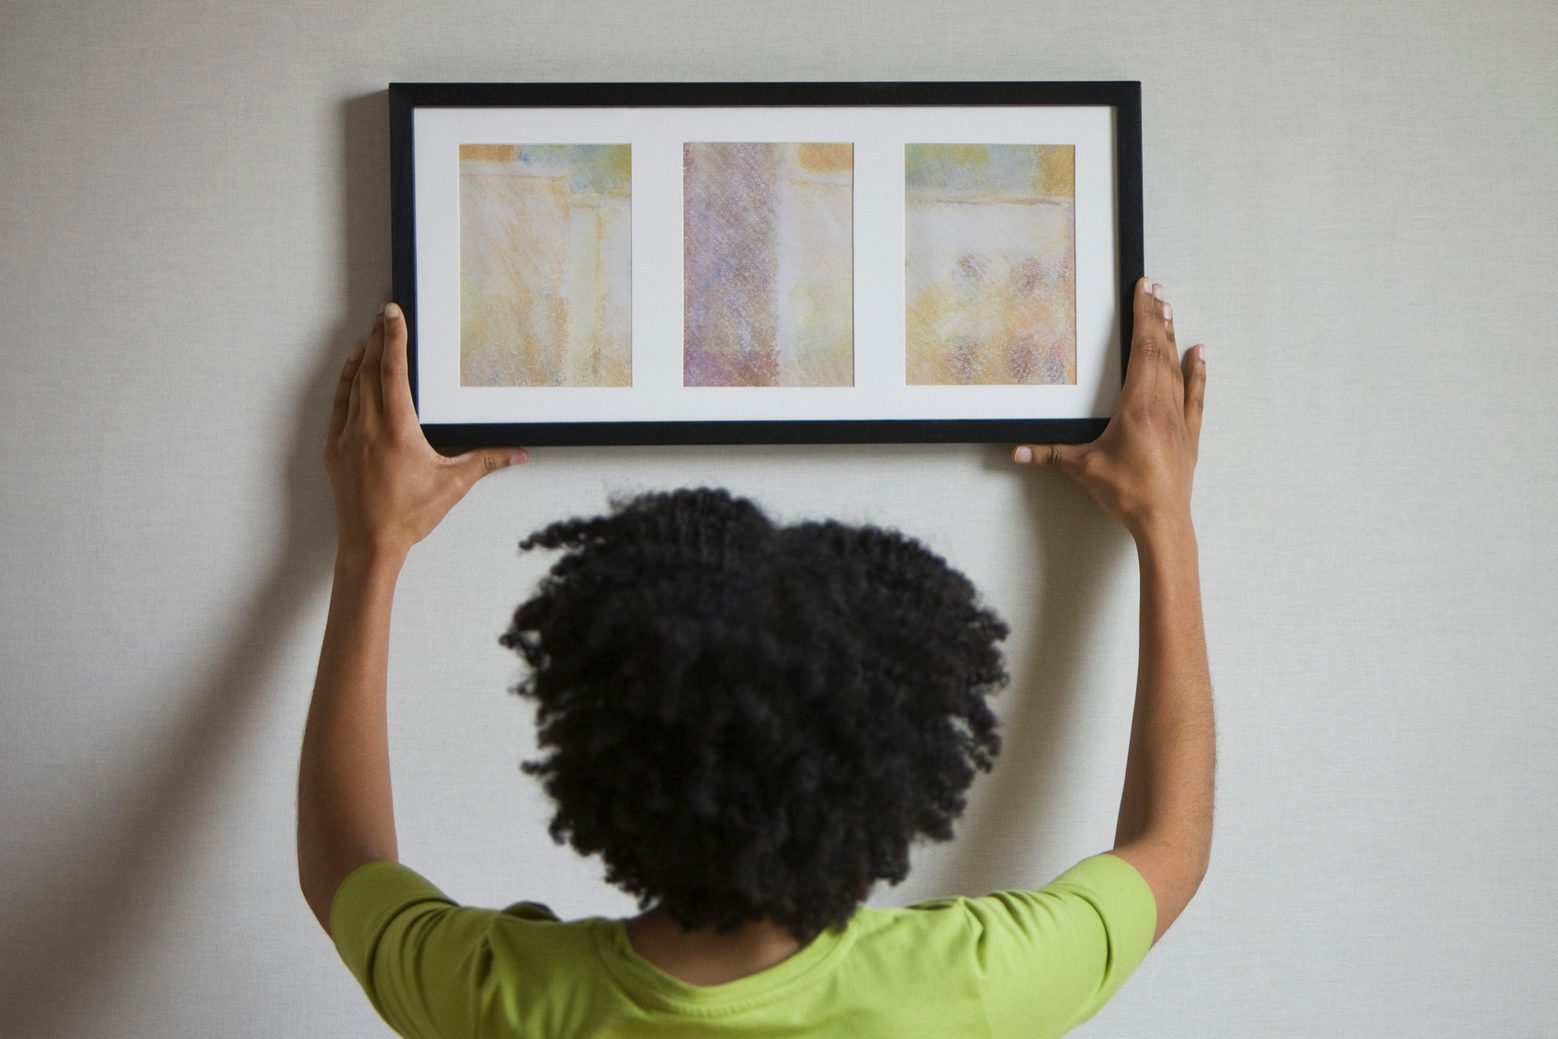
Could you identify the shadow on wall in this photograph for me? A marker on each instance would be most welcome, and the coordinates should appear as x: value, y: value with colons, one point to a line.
x: 81, y: 919
x: 1077, y: 547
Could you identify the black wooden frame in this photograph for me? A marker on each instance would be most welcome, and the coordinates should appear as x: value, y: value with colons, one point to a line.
x: 1123, y: 96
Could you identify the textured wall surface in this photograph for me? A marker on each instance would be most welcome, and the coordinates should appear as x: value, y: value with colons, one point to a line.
x: 1350, y: 204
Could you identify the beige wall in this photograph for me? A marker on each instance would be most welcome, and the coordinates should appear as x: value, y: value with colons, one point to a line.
x: 1350, y: 204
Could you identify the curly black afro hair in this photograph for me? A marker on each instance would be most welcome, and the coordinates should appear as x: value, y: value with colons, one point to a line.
x: 750, y: 721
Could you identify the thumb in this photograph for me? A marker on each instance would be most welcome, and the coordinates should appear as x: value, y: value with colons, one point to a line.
x: 475, y: 464
x: 1065, y: 457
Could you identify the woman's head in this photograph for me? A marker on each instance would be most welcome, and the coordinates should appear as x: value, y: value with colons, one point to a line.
x: 747, y: 720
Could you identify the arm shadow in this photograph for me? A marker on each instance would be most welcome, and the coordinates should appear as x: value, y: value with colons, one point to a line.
x: 97, y: 897
x: 1077, y: 547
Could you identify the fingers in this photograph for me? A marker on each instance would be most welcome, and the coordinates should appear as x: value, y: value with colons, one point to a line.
x: 1145, y: 304
x: 354, y: 399
x: 1165, y: 315
x: 1142, y: 369
x: 376, y: 383
x: 1065, y: 457
x: 1195, y: 390
x: 476, y: 463
x: 1153, y: 339
x: 1160, y: 318
x: 394, y: 372
x: 343, y: 391
x: 368, y: 376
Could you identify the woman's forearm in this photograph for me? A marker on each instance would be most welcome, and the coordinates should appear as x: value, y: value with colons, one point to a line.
x: 345, y: 813
x: 1170, y: 767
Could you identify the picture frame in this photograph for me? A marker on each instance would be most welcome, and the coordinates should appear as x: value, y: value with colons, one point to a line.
x: 723, y: 211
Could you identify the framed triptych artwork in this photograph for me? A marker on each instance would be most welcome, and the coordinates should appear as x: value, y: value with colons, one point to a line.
x: 657, y: 263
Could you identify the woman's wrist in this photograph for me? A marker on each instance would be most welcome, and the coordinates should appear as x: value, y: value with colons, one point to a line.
x: 1164, y: 529
x: 361, y: 556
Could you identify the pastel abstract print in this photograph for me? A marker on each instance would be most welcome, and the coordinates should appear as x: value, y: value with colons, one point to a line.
x: 546, y: 265
x: 767, y: 261
x: 990, y: 264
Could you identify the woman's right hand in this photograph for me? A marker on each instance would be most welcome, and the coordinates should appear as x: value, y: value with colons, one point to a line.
x: 1141, y: 467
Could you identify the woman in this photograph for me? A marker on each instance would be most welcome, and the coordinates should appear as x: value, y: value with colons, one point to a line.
x: 751, y: 724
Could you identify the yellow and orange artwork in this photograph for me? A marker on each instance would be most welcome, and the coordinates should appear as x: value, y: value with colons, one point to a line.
x: 990, y: 264
x: 546, y: 265
x: 767, y: 264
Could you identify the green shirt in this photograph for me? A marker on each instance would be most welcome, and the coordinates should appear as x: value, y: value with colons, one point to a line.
x: 1011, y: 963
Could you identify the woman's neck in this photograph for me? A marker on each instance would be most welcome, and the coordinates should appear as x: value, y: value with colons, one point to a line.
x: 704, y: 957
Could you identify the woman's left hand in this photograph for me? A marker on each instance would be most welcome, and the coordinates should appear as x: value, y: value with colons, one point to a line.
x: 391, y: 486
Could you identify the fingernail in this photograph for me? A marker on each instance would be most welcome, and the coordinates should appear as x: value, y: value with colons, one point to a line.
x: 1023, y: 454
x: 1157, y: 290
x: 517, y: 457
x: 1168, y: 312
x: 391, y: 311
x: 1201, y: 352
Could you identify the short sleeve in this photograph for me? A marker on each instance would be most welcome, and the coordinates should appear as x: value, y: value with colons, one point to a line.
x: 421, y: 958
x: 1050, y: 958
